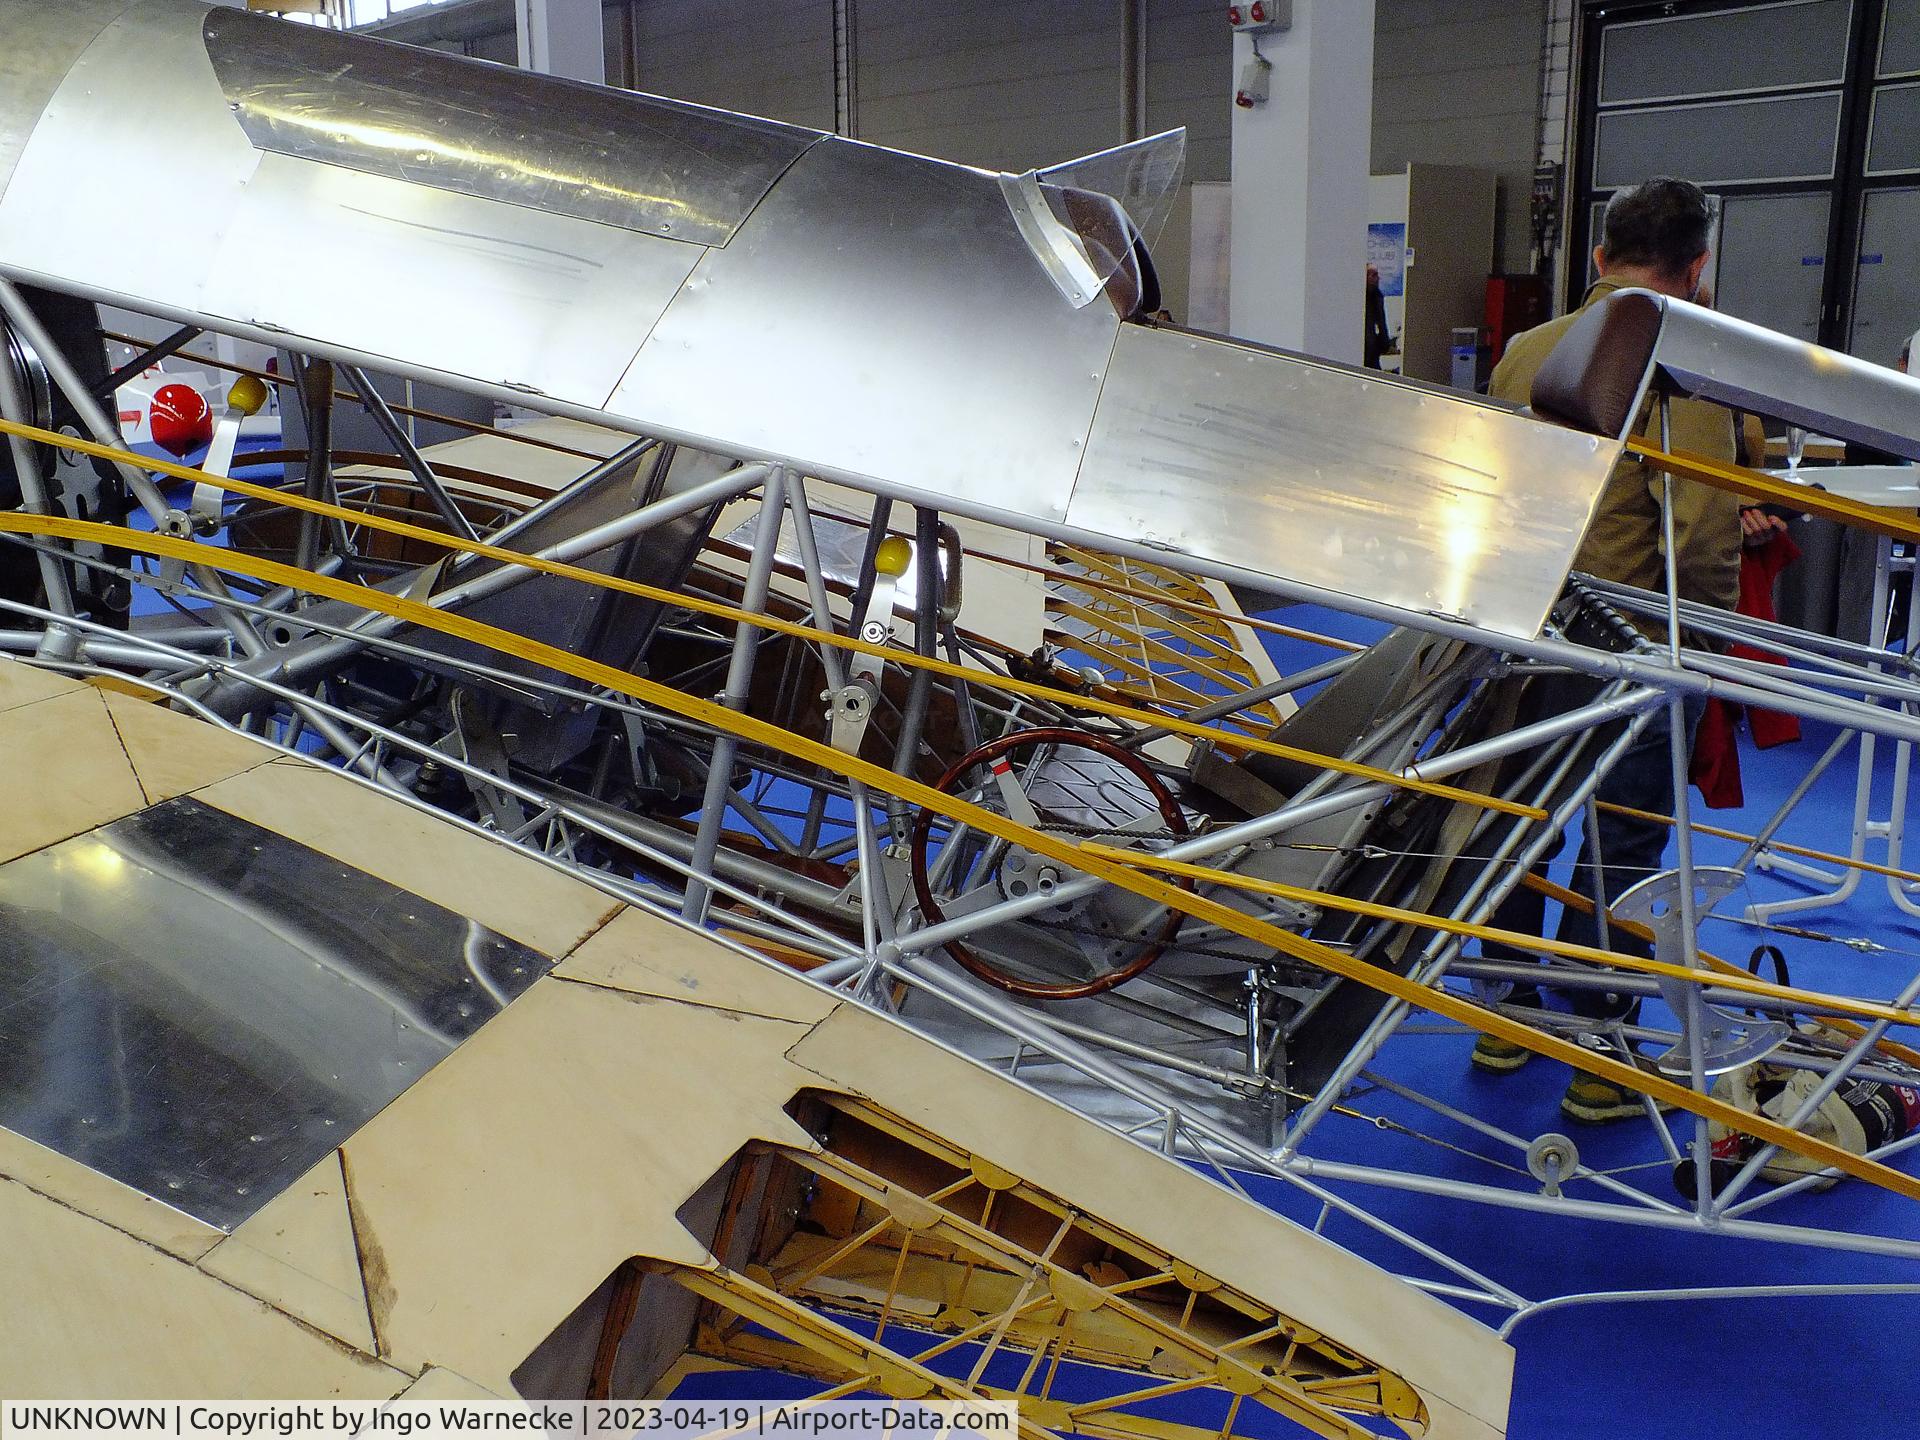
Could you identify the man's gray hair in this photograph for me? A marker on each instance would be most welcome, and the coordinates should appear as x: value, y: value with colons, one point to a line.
x: 1663, y: 224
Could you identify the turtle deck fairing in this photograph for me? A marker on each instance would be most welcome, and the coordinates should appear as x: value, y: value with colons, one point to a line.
x: 897, y: 323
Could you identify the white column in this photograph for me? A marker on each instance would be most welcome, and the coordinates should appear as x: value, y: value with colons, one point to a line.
x: 563, y: 37
x: 1300, y: 163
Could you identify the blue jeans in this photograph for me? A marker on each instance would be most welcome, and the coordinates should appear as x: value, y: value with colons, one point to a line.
x: 1641, y: 779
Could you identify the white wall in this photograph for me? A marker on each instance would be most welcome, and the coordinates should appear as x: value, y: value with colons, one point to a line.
x: 1300, y: 184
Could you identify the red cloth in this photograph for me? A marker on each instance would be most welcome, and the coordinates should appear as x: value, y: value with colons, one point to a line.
x: 1716, y: 752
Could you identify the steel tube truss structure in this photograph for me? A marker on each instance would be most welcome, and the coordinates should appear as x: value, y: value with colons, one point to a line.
x: 928, y: 676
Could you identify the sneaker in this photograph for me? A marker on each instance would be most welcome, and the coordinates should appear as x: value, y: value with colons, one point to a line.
x: 1593, y: 1101
x: 1497, y: 1056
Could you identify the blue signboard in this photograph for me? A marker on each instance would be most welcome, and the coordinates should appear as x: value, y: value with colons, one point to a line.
x: 1387, y: 252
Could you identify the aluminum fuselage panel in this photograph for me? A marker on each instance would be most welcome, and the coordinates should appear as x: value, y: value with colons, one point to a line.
x: 876, y: 318
x: 1370, y: 487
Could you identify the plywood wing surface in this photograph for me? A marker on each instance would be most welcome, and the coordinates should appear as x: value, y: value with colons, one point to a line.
x: 570, y: 1134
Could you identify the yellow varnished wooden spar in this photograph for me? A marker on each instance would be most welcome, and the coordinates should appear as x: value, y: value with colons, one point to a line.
x: 721, y: 611
x: 1124, y: 876
x: 1805, y: 852
x: 1730, y: 978
x: 1089, y: 558
x: 1755, y: 485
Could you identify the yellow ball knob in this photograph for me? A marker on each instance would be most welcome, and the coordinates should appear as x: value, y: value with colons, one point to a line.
x: 248, y: 395
x: 894, y: 556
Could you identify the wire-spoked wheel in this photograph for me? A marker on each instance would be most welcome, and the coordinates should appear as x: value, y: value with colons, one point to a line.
x: 1064, y: 783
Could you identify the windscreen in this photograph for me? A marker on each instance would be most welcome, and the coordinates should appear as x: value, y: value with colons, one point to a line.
x: 1091, y: 222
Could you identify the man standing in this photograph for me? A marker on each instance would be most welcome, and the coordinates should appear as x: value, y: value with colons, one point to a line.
x: 1654, y: 238
x: 1379, y: 340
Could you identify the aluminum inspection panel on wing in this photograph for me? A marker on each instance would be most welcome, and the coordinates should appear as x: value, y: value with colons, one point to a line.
x: 200, y: 1007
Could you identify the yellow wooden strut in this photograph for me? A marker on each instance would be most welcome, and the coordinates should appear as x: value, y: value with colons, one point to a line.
x: 720, y: 610
x: 1729, y: 979
x: 1192, y: 607
x: 1122, y: 875
x: 1653, y: 817
x: 1755, y: 485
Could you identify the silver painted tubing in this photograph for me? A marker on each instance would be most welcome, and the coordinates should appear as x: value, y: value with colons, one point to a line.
x: 1604, y: 664
x: 282, y: 598
x: 1841, y: 666
x: 613, y: 464
x: 830, y: 665
x: 876, y: 906
x: 746, y: 644
x: 1260, y: 694
x: 163, y: 349
x: 107, y: 433
x: 315, y: 391
x: 1807, y: 1182
x: 1454, y: 762
x: 809, y: 548
x: 526, y: 794
x: 1679, y: 751
x: 1769, y: 634
x: 1550, y: 649
x: 1600, y: 1210
x: 1774, y: 679
x: 1561, y: 978
x: 186, y: 637
x: 507, y: 574
x: 728, y: 864
x: 1856, y: 1052
x: 416, y: 463
x: 20, y: 642
x: 57, y: 641
x: 926, y: 619
x: 526, y: 683
x: 1444, y: 946
x: 301, y: 661
x: 600, y: 880
x: 1508, y: 1138
x: 1719, y: 1292
x: 91, y: 414
x: 1262, y: 827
